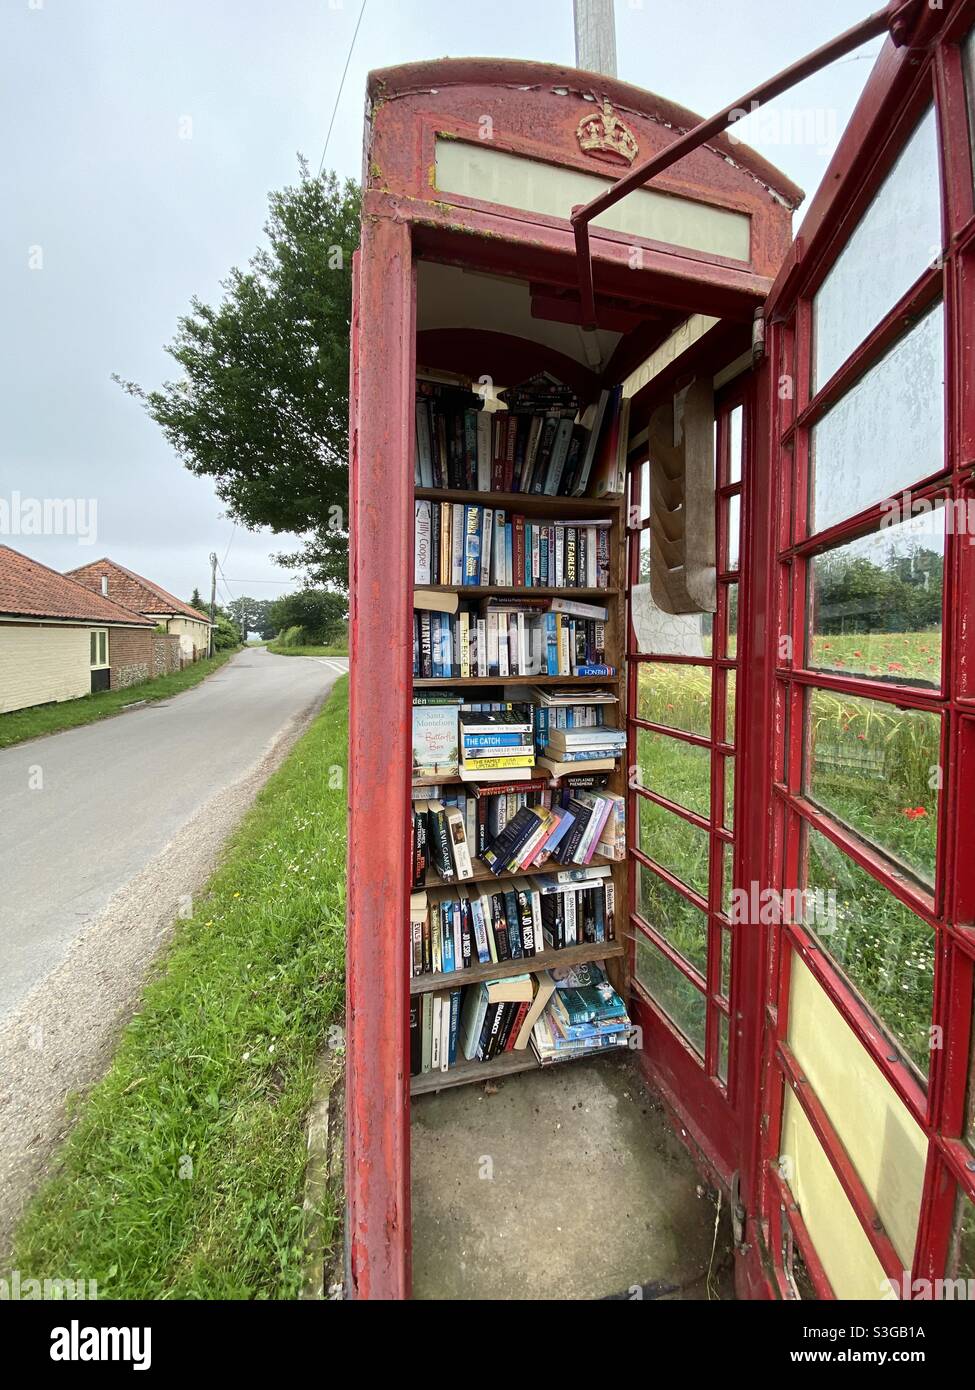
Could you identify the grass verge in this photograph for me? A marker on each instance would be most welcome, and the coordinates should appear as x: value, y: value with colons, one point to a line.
x: 183, y: 1177
x: 335, y: 649
x: 22, y: 724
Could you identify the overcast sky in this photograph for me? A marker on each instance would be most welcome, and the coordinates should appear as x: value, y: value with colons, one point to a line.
x: 132, y: 218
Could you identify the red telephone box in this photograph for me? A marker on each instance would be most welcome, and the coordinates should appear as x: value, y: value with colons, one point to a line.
x: 790, y: 638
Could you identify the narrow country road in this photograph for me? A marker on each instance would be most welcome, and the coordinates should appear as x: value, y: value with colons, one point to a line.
x: 106, y: 833
x: 83, y: 811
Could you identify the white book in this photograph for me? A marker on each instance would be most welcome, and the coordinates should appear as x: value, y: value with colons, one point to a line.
x: 570, y: 918
x: 503, y: 664
x: 445, y: 1033
x: 592, y: 569
x: 457, y: 544
x: 421, y: 542
x: 458, y: 842
x: 487, y: 910
x: 480, y: 928
x: 436, y: 1034
x: 485, y: 439
x: 482, y: 647
x: 592, y: 420
x: 487, y: 525
x: 559, y: 557
x: 492, y: 643
x: 458, y: 943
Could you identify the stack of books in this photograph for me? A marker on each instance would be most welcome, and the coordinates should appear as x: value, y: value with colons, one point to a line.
x: 503, y: 636
x: 584, y: 1014
x: 466, y: 544
x: 594, y: 748
x: 540, y: 443
x: 452, y: 930
x: 496, y: 746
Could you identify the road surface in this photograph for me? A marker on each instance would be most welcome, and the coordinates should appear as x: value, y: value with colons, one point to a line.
x: 82, y: 812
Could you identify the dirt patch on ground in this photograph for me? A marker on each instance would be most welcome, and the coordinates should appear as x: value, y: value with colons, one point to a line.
x: 60, y: 1040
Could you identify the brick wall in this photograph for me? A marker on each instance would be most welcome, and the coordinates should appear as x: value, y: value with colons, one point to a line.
x: 165, y: 654
x: 129, y: 656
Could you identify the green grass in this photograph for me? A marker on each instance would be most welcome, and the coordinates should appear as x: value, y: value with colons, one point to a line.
x: 217, y: 1068
x: 22, y: 724
x: 871, y: 765
x: 334, y: 649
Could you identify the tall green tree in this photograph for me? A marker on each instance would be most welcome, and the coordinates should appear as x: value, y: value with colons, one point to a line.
x: 261, y: 400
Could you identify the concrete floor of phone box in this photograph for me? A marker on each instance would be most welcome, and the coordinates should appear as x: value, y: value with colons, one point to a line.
x: 563, y: 1183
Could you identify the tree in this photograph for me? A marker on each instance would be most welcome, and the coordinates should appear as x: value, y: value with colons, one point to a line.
x: 197, y: 602
x: 319, y: 612
x: 225, y: 634
x: 252, y: 615
x: 261, y: 403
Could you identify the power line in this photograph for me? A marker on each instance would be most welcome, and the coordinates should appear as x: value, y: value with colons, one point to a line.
x: 338, y: 96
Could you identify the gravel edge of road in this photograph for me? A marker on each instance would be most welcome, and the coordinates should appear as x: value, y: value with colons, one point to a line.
x: 61, y: 1038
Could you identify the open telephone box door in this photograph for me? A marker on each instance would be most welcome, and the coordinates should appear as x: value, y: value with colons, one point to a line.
x: 786, y: 580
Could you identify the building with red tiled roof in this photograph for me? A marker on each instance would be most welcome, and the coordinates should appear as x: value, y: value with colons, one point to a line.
x: 141, y: 595
x: 59, y: 640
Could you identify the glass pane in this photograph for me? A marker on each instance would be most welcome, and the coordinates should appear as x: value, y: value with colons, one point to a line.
x: 644, y: 571
x: 678, y: 771
x: 731, y: 647
x: 886, y: 432
x: 675, y: 844
x: 885, y: 950
x: 895, y: 241
x: 734, y: 531
x: 876, y: 603
x: 962, y: 1259
x: 729, y: 793
x: 103, y: 648
x: 729, y: 709
x: 872, y: 765
x: 681, y: 1001
x: 678, y: 696
x: 723, y: 1048
x: 672, y: 916
x: 734, y: 445
x: 94, y: 649
x: 645, y: 491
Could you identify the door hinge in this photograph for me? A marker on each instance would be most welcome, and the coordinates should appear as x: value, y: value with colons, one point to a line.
x: 758, y: 336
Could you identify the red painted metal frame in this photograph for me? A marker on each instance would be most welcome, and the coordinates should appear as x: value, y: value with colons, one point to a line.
x: 405, y: 218
x: 703, y: 1100
x: 897, y: 17
x: 892, y: 103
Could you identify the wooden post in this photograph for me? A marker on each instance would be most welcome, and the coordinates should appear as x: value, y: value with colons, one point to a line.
x: 595, y: 36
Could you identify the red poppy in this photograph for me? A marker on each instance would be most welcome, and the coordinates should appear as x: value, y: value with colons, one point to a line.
x: 914, y: 812
x: 895, y: 666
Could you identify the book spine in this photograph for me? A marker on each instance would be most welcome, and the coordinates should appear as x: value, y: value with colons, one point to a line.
x: 421, y: 543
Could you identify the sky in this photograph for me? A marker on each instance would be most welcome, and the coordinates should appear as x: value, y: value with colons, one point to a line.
x: 140, y: 141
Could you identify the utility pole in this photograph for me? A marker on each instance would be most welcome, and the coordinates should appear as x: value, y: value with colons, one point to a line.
x: 213, y: 596
x: 595, y: 36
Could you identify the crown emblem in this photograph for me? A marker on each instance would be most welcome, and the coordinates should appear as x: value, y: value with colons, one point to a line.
x: 605, y: 132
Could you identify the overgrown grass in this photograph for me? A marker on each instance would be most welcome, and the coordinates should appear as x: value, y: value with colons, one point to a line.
x: 334, y: 649
x: 873, y: 766
x: 183, y: 1177
x: 22, y: 724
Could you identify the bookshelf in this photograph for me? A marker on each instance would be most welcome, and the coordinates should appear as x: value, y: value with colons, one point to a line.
x: 542, y: 510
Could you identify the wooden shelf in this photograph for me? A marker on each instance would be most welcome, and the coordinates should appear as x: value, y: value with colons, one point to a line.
x: 528, y: 503
x: 526, y: 591
x: 424, y: 682
x: 482, y: 874
x: 528, y: 965
x: 508, y: 1064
